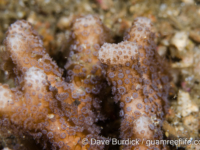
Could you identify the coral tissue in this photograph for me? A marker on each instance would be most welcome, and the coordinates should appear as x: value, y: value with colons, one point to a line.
x: 59, y: 114
x: 43, y: 105
x: 140, y: 83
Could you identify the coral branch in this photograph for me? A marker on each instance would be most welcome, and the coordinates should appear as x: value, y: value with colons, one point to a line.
x: 140, y: 83
x: 84, y: 69
x: 49, y: 108
x: 25, y: 47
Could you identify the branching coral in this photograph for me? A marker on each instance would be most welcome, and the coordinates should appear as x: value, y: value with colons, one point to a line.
x: 139, y: 81
x: 84, y: 69
x: 88, y: 35
x: 46, y: 107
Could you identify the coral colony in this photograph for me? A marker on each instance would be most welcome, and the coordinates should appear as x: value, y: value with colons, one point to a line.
x: 60, y: 112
